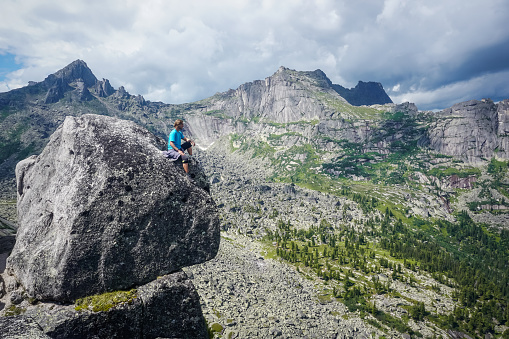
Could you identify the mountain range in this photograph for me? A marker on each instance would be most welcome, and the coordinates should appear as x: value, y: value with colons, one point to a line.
x: 401, y: 215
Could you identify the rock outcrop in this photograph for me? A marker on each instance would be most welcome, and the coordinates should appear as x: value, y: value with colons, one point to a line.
x: 364, y: 93
x: 166, y: 307
x: 20, y: 327
x: 101, y: 210
x: 286, y: 96
x: 59, y: 83
x: 472, y: 130
x: 103, y: 88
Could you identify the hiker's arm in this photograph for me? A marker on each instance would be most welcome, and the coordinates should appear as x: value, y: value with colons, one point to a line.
x: 175, y: 148
x: 191, y: 141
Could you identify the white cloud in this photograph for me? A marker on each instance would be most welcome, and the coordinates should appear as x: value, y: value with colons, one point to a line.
x: 175, y: 51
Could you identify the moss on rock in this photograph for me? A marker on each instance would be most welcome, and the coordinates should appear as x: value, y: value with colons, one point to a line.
x: 103, y: 302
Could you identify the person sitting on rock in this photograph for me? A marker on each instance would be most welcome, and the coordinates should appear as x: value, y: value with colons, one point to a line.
x: 176, y: 149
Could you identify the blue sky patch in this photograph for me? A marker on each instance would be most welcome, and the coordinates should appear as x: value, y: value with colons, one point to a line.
x: 8, y: 64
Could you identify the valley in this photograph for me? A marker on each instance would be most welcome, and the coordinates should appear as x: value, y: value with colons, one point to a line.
x: 336, y: 220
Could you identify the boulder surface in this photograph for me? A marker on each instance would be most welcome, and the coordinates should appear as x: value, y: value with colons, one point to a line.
x: 166, y: 307
x: 101, y: 209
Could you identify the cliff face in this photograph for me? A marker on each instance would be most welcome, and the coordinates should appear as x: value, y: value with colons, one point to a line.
x: 472, y: 130
x: 287, y: 102
x: 303, y: 107
x: 284, y: 97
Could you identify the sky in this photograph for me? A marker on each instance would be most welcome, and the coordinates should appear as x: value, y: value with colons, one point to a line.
x: 434, y: 53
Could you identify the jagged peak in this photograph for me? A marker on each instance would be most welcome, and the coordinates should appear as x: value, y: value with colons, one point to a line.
x: 282, y: 69
x: 75, y: 71
x: 364, y: 93
x: 317, y: 75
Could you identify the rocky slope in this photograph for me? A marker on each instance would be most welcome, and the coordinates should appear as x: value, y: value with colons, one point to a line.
x: 472, y: 130
x: 250, y: 292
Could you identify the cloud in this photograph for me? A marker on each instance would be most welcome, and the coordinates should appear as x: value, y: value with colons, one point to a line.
x: 174, y: 51
x: 489, y: 86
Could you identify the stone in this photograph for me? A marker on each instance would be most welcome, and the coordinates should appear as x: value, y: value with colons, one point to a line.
x: 16, y: 298
x: 166, y: 307
x: 59, y: 83
x: 472, y: 130
x: 19, y: 327
x: 103, y: 88
x: 100, y: 209
x: 364, y: 93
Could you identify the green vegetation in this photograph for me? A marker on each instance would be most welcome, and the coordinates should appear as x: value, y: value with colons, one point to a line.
x: 300, y: 122
x: 5, y: 112
x: 233, y: 139
x: 11, y: 144
x: 357, y: 159
x: 356, y: 112
x: 277, y: 137
x: 498, y: 168
x: 441, y: 172
x: 218, y: 114
x: 213, y: 329
x: 14, y: 310
x: 259, y: 148
x: 103, y: 302
x: 463, y: 255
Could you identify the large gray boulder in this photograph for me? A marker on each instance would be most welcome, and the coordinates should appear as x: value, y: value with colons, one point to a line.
x: 168, y: 307
x: 101, y: 209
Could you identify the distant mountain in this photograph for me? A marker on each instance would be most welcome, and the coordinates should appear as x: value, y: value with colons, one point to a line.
x: 30, y: 114
x: 365, y: 93
x: 302, y: 104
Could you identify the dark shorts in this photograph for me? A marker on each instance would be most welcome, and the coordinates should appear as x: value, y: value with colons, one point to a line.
x: 185, y: 146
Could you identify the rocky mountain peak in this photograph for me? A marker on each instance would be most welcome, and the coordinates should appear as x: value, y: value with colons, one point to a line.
x: 75, y: 71
x: 364, y: 93
x: 75, y: 76
x: 318, y: 77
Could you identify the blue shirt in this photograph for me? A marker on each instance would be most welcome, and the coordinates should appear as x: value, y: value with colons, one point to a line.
x: 176, y: 137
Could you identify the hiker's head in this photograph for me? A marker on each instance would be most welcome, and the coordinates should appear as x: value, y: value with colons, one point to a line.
x: 178, y: 122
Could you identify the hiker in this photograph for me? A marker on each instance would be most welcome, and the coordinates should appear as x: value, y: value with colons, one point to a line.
x: 176, y: 149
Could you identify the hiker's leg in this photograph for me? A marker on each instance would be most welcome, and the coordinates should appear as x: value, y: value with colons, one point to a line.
x: 185, y: 162
x: 187, y: 146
